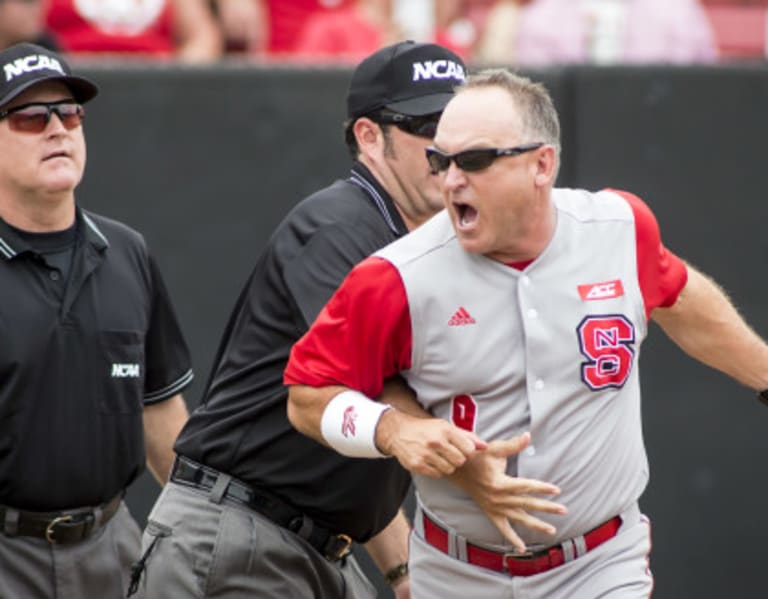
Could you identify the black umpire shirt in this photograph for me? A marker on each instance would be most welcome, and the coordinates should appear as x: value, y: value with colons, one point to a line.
x: 241, y: 426
x: 81, y: 355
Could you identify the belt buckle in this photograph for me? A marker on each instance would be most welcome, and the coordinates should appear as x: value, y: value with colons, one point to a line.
x: 337, y: 547
x: 526, y: 556
x: 49, y: 530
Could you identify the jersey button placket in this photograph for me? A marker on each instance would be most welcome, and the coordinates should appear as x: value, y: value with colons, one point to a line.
x: 530, y: 322
x: 530, y: 451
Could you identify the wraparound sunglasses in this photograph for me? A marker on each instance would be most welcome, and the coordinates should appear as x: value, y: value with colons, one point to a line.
x: 474, y: 160
x: 34, y: 117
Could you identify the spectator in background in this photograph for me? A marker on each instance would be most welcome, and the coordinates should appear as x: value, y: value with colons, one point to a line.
x: 352, y: 32
x: 348, y: 34
x: 24, y: 21
x: 244, y: 25
x: 347, y: 30
x: 184, y: 30
x: 453, y: 27
x: 288, y: 19
x: 453, y: 24
x: 498, y: 41
x: 613, y: 31
x: 269, y: 28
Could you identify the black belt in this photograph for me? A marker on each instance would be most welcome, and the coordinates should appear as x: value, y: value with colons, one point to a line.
x: 60, y: 528
x: 333, y: 546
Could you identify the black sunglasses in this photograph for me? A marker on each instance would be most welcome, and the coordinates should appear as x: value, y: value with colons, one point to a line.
x: 474, y: 160
x: 35, y: 116
x: 421, y: 126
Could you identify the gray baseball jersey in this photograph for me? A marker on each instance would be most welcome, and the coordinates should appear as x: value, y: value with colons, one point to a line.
x: 552, y: 349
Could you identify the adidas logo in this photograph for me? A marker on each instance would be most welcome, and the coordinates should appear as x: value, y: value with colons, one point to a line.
x: 461, y: 317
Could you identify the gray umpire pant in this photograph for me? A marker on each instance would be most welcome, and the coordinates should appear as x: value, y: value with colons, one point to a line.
x: 198, y: 545
x: 98, y: 566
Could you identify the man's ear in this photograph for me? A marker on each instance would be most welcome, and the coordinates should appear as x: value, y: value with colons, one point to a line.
x: 367, y: 133
x: 546, y: 166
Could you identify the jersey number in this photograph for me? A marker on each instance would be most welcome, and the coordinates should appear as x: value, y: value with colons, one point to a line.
x: 606, y: 342
x: 464, y: 412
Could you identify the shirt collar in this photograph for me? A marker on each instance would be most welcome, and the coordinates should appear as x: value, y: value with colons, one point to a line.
x: 11, y: 245
x: 363, y: 178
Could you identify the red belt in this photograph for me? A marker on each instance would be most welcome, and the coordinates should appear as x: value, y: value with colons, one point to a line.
x: 516, y: 564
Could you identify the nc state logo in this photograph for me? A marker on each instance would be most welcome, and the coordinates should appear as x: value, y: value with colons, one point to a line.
x: 348, y: 422
x: 607, y: 341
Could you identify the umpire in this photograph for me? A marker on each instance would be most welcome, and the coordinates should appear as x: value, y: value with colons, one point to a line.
x: 92, y: 361
x: 254, y: 508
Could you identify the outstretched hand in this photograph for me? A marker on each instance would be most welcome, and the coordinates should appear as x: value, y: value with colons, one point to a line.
x: 505, y: 499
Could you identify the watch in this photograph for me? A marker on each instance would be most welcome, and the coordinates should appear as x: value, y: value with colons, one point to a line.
x: 396, y: 573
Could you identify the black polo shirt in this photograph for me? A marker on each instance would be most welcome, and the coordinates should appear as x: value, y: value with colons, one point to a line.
x: 241, y: 426
x: 79, y: 360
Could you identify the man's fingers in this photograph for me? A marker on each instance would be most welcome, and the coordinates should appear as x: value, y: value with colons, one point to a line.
x: 523, y: 518
x: 505, y: 528
x: 534, y: 504
x: 530, y: 486
x: 507, y: 502
x: 454, y: 448
x: 434, y: 447
x: 424, y: 470
x: 435, y: 463
x: 467, y: 443
x: 479, y: 444
x: 446, y: 465
x: 503, y: 448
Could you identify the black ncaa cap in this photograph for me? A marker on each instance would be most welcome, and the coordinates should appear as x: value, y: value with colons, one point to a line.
x: 25, y: 65
x: 409, y: 78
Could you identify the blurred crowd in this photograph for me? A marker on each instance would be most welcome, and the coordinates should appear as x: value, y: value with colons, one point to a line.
x: 510, y: 32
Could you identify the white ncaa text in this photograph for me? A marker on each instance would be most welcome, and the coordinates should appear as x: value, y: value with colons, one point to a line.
x: 437, y: 69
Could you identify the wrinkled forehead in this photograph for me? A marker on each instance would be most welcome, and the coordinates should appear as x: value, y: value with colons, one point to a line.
x: 477, y: 117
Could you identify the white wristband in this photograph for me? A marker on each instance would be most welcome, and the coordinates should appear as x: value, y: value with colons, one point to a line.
x: 349, y: 424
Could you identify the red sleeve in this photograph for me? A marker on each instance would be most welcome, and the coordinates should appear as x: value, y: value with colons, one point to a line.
x: 362, y: 335
x: 662, y: 274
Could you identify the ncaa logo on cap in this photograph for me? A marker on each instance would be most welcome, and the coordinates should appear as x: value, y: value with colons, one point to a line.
x: 25, y: 65
x: 438, y: 69
x: 30, y: 63
x: 410, y: 78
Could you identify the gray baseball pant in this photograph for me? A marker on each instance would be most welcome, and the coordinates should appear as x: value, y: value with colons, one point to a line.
x: 205, y: 548
x: 98, y: 566
x: 617, y: 569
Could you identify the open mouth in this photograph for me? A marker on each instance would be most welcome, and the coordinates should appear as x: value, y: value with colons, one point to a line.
x: 467, y: 214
